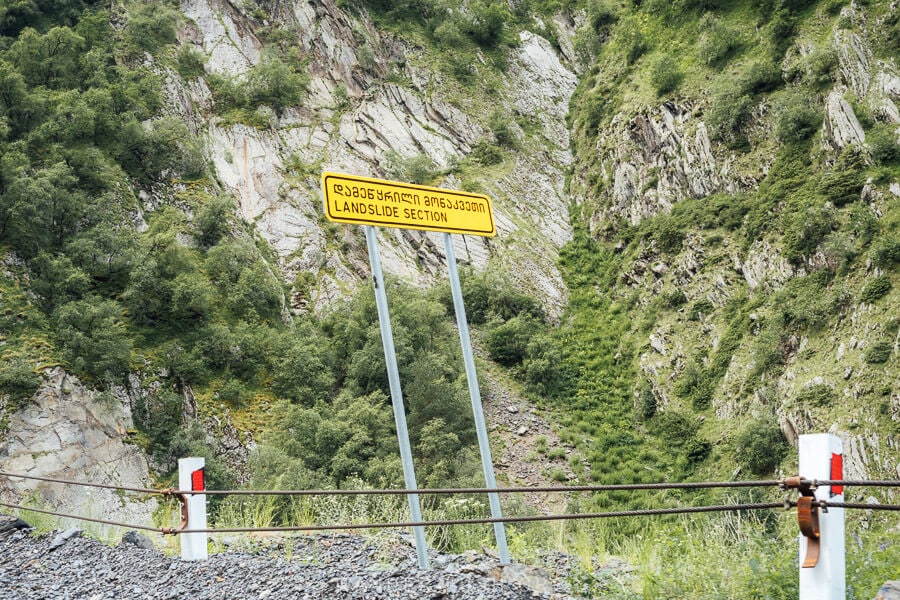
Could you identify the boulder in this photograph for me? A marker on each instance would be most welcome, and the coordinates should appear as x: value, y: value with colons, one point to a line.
x: 889, y: 591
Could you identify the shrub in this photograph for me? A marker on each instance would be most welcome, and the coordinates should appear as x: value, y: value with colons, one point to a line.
x: 503, y: 133
x: 717, y: 42
x: 487, y: 154
x: 601, y: 14
x: 875, y: 289
x: 804, y: 301
x: 93, y: 338
x: 797, y: 118
x: 674, y: 298
x: 878, y: 353
x: 414, y: 169
x: 886, y: 252
x: 667, y: 232
x: 665, y: 75
x: 17, y: 378
x: 729, y: 111
x: 487, y: 22
x: 632, y: 40
x: 760, y: 446
x: 882, y: 141
x: 275, y: 83
x: 819, y: 394
x: 150, y: 27
x: 842, y: 186
x: 189, y: 62
x: 759, y: 77
x: 507, y: 342
x: 645, y: 407
x: 820, y: 66
x: 805, y: 230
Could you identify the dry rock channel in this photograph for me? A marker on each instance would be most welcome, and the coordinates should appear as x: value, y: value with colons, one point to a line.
x: 67, y: 565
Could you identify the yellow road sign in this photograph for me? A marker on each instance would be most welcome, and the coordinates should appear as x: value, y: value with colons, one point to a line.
x: 366, y: 201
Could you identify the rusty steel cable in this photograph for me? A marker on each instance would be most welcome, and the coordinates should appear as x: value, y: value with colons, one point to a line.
x: 691, y: 485
x: 81, y: 518
x: 487, y: 520
x: 447, y: 491
x: 501, y: 490
x: 855, y: 482
x: 787, y: 504
x: 104, y: 486
x: 858, y: 505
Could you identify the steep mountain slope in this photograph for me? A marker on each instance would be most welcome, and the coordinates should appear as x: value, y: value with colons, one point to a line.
x: 723, y: 170
x: 708, y: 222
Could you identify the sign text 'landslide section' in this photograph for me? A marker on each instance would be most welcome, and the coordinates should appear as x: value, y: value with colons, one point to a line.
x: 365, y: 201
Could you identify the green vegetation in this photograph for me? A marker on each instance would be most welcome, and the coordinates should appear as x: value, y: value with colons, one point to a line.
x: 669, y: 364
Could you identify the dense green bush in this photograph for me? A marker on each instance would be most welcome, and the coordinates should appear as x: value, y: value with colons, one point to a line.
x: 817, y: 395
x: 17, y: 378
x: 717, y: 41
x: 798, y: 117
x: 886, y: 252
x: 882, y: 142
x: 150, y: 27
x: 414, y: 169
x: 667, y: 232
x: 665, y: 75
x: 844, y: 184
x: 729, y: 111
x: 875, y: 289
x: 93, y: 338
x: 805, y: 302
x: 878, y: 353
x: 805, y: 230
x: 507, y: 342
x: 759, y: 445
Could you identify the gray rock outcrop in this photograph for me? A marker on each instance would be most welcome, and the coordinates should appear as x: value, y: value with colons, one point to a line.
x: 353, y: 120
x: 70, y: 432
x: 657, y: 158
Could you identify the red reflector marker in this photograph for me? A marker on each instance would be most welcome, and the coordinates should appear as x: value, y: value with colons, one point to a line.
x: 837, y: 473
x: 198, y: 480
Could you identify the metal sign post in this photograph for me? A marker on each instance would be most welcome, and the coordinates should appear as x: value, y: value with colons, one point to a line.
x: 475, y: 395
x: 390, y: 358
x: 821, y: 458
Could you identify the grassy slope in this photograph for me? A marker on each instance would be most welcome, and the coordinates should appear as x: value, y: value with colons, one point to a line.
x: 733, y: 353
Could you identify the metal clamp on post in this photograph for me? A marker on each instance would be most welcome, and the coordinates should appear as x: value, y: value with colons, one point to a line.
x: 807, y: 517
x: 182, y: 499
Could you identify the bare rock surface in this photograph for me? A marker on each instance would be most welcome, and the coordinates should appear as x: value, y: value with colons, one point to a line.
x: 70, y: 432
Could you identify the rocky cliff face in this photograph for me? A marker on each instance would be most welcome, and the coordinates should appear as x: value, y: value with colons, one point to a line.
x: 647, y: 159
x: 70, y: 432
x: 370, y: 97
x: 353, y: 118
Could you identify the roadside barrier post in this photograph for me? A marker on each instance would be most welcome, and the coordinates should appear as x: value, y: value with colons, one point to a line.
x: 823, y: 579
x: 191, y: 477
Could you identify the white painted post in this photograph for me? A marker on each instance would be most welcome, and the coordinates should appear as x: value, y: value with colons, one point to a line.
x: 190, y: 477
x: 820, y: 458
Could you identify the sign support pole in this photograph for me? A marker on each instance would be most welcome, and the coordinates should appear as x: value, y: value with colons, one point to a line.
x: 475, y: 395
x: 390, y: 357
x: 820, y: 458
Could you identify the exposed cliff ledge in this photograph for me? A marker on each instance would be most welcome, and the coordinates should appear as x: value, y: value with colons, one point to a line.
x: 657, y: 158
x: 70, y: 432
x: 353, y: 118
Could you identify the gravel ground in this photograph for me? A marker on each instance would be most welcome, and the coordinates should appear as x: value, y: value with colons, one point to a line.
x: 66, y: 565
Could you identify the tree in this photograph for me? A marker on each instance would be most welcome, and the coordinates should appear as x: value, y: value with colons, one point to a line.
x: 303, y: 374
x: 275, y: 83
x: 49, y: 60
x: 93, y: 338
